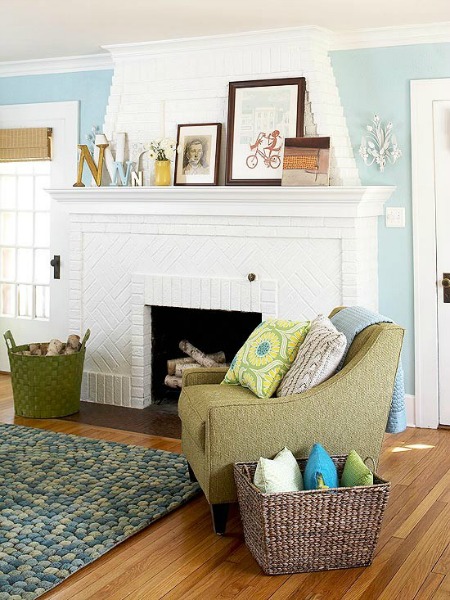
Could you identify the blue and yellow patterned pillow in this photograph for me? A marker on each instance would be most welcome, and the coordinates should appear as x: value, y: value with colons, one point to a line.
x: 266, y: 356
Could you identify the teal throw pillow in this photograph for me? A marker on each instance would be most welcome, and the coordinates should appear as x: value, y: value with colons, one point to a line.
x: 356, y: 472
x: 320, y: 471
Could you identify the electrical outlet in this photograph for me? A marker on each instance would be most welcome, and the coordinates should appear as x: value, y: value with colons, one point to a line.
x: 395, y: 216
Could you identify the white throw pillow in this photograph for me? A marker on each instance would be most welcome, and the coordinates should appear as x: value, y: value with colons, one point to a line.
x: 281, y: 474
x: 317, y: 359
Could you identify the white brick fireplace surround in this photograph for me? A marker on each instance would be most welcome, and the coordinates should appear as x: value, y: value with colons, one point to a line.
x: 310, y: 248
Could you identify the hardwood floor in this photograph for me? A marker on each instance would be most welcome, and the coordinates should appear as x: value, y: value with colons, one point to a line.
x: 179, y: 557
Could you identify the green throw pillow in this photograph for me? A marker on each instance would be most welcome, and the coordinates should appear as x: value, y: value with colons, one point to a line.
x: 266, y: 356
x: 356, y: 472
x: 282, y: 474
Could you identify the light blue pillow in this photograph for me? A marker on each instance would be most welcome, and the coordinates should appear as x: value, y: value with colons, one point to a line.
x: 320, y: 470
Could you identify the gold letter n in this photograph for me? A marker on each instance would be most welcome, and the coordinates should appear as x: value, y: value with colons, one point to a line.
x: 96, y: 171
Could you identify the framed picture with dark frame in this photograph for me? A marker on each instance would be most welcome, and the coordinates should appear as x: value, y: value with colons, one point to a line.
x: 261, y: 114
x: 198, y: 153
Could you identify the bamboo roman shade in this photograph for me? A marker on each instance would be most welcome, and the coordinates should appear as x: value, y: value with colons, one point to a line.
x: 25, y: 144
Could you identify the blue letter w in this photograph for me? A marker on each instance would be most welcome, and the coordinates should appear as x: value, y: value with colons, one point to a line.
x: 118, y: 170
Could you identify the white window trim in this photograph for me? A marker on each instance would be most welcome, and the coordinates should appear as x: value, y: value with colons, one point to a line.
x: 63, y: 118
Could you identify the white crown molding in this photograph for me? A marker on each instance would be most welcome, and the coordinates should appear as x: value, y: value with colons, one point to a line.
x: 318, y: 35
x: 383, y: 37
x: 65, y: 64
x: 346, y: 40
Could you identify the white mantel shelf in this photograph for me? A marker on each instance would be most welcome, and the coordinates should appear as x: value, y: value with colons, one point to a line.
x: 258, y: 201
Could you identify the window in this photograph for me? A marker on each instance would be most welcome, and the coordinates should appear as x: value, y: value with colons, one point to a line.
x: 25, y: 240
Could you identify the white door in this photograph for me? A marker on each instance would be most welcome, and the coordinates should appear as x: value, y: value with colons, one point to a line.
x: 441, y: 113
x: 33, y: 304
x: 430, y: 171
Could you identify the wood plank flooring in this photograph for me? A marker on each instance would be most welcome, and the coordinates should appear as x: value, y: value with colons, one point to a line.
x: 179, y: 557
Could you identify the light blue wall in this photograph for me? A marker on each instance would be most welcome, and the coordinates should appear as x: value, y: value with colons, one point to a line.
x: 370, y: 81
x: 91, y: 88
x: 376, y: 80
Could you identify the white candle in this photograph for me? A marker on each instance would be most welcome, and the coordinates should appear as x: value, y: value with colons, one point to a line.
x: 120, y: 147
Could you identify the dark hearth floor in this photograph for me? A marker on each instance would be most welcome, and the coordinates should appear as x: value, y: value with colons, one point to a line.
x: 156, y: 419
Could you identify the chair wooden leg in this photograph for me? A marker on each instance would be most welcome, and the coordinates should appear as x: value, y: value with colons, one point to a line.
x: 192, y: 476
x: 219, y: 513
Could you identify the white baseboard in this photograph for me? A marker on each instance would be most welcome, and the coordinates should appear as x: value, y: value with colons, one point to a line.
x: 410, y: 402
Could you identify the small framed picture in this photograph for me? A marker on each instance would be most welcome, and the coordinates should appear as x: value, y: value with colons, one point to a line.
x: 261, y: 115
x: 198, y: 152
x: 306, y: 161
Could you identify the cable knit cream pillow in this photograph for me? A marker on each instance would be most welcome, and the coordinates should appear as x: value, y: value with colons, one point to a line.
x: 317, y: 358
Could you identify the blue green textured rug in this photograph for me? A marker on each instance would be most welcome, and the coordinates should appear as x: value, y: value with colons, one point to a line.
x: 66, y: 500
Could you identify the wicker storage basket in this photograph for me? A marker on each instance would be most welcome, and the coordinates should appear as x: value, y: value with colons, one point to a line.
x: 45, y: 386
x: 311, y: 530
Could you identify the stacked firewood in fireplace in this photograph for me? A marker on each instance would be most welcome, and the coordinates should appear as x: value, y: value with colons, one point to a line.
x: 195, y: 359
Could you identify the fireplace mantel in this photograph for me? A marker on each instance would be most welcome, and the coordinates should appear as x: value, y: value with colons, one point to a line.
x: 264, y: 201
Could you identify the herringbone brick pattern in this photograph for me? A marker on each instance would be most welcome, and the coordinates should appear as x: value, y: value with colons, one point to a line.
x: 309, y: 281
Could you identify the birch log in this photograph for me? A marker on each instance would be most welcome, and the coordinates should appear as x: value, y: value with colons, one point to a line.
x: 218, y: 357
x: 173, y: 363
x: 180, y: 367
x: 197, y: 354
x: 172, y: 381
x: 179, y: 370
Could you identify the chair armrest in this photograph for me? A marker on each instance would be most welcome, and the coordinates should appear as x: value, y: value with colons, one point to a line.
x: 212, y: 375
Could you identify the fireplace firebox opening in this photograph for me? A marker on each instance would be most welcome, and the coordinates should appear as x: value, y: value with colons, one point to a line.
x: 210, y: 331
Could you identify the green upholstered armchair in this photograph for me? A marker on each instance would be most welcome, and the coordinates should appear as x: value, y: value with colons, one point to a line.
x: 224, y: 424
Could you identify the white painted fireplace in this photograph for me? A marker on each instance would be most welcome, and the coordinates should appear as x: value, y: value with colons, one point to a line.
x: 311, y: 249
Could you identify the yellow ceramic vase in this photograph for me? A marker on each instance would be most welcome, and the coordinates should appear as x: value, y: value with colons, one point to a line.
x: 162, y: 172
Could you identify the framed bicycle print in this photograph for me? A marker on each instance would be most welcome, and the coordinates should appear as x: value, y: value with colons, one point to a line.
x: 261, y: 114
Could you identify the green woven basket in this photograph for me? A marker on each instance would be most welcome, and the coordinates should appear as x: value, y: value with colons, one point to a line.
x: 45, y: 386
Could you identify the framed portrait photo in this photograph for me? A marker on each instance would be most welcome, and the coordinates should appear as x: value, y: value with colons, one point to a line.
x: 198, y: 152
x: 261, y: 115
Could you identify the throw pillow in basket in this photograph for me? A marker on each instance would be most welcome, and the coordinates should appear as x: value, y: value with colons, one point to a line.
x: 317, y: 358
x: 281, y: 474
x: 356, y: 472
x: 320, y: 470
x: 266, y: 356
